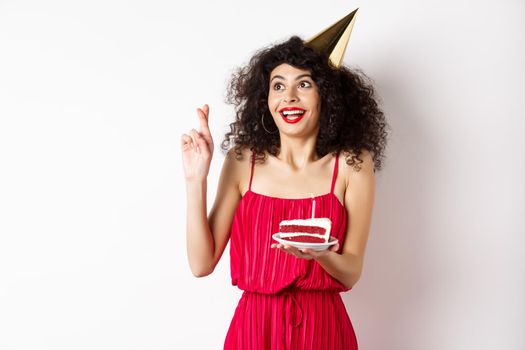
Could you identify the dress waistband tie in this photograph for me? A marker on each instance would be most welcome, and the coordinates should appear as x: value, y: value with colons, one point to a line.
x: 293, y: 317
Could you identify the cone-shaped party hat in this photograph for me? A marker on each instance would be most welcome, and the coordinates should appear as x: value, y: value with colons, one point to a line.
x: 333, y: 40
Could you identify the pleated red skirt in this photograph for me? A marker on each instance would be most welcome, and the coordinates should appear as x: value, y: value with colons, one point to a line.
x: 301, y: 320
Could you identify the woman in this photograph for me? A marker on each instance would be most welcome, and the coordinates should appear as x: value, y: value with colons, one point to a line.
x: 302, y: 127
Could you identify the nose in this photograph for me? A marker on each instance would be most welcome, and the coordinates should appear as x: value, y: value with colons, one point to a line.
x: 291, y: 96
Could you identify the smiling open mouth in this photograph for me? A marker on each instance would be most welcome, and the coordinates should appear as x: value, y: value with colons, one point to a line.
x: 292, y: 115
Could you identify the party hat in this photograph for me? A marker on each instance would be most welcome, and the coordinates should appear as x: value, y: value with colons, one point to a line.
x: 333, y: 40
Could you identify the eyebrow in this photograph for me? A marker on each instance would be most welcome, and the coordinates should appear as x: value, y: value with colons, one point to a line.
x: 297, y: 78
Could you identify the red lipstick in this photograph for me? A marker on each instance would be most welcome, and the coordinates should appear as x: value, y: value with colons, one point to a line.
x: 295, y: 116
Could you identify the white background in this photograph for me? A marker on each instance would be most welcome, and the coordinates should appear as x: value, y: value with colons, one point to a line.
x: 95, y: 95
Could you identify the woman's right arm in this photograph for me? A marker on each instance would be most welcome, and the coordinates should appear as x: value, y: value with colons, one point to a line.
x: 207, y: 237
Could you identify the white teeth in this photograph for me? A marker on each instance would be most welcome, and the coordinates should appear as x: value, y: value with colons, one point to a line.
x: 296, y: 111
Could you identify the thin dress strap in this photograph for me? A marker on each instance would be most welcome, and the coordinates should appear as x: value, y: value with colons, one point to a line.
x: 251, y: 172
x: 334, y: 176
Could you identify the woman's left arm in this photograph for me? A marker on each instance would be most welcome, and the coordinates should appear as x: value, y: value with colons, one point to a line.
x: 347, y: 266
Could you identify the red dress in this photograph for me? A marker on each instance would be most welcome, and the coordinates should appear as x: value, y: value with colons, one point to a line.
x: 288, y: 303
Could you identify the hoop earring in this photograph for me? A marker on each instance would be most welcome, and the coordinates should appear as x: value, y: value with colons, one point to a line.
x: 269, y: 132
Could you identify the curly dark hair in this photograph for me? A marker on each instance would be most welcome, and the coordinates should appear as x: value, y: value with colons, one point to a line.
x: 350, y: 119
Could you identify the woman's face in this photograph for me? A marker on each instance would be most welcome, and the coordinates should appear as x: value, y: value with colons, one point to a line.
x: 294, y: 100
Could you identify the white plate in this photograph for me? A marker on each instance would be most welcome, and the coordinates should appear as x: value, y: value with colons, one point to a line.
x: 302, y: 245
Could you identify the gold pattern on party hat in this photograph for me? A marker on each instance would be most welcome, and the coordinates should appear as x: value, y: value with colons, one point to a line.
x: 333, y: 40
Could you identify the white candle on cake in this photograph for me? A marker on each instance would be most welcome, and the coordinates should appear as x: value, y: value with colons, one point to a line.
x: 313, y: 205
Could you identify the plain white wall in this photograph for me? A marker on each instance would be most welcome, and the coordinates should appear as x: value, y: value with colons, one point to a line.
x: 94, y: 97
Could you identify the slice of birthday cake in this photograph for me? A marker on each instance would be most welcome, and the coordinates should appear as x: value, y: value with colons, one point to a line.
x: 315, y: 230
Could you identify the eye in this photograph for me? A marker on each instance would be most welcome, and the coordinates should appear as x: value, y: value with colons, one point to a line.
x: 305, y: 84
x: 278, y: 86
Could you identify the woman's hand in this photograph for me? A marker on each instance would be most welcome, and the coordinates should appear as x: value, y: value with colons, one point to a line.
x: 305, y: 253
x: 197, y: 149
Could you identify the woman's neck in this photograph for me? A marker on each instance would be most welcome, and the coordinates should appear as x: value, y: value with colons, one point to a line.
x: 298, y: 153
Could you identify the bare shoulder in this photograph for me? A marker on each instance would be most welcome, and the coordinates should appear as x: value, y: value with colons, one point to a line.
x: 365, y: 168
x: 357, y: 179
x: 359, y: 203
x: 237, y: 166
x: 226, y: 201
